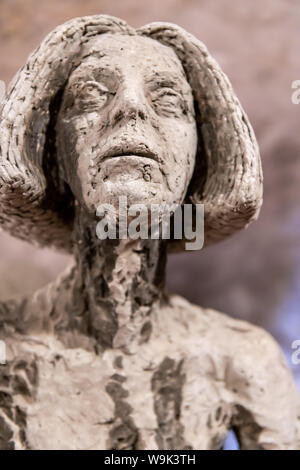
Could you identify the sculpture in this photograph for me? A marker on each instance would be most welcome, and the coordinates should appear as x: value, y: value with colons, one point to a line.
x: 103, y: 358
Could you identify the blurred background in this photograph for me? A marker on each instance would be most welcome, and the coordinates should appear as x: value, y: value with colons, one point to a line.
x: 254, y: 275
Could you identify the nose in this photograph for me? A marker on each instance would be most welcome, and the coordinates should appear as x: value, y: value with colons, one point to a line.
x: 130, y: 105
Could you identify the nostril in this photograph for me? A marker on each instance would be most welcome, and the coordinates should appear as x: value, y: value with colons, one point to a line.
x: 134, y: 113
x: 130, y: 111
x: 118, y: 116
x: 142, y: 115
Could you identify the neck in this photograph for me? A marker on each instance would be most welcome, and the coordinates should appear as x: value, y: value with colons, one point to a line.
x: 117, y: 283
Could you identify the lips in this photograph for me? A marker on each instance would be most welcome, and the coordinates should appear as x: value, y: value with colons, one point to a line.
x: 139, y: 150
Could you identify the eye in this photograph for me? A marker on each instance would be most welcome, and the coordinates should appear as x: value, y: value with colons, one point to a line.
x: 92, y: 96
x: 167, y: 101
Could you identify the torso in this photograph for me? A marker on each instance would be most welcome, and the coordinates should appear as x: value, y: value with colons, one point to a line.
x: 173, y: 393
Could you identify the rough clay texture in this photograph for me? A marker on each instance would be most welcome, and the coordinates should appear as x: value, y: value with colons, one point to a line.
x: 228, y: 176
x: 103, y: 358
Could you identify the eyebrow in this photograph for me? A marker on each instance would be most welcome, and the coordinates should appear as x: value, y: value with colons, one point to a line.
x: 95, y: 72
x: 166, y: 79
x: 107, y: 73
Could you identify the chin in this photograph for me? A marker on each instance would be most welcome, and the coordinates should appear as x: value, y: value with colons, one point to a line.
x: 136, y: 192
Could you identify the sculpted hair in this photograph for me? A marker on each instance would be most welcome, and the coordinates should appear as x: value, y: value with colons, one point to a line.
x: 227, y: 177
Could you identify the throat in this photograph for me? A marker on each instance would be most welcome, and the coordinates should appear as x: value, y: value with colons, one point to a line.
x: 118, y: 284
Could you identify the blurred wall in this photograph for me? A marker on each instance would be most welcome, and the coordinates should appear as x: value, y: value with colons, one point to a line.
x: 256, y: 274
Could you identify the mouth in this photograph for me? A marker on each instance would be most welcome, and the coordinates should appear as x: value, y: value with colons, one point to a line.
x: 137, y: 151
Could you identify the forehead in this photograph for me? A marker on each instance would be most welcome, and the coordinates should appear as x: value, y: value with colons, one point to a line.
x: 121, y: 52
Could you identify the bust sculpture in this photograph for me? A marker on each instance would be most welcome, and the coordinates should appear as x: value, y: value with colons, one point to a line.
x: 104, y: 358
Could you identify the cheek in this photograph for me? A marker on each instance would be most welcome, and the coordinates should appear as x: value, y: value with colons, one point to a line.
x: 181, y: 139
x: 181, y: 144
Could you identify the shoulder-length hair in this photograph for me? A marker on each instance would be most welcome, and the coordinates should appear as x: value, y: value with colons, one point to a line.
x: 227, y: 177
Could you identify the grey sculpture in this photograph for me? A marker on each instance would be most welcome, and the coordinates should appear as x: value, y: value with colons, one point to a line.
x: 104, y: 358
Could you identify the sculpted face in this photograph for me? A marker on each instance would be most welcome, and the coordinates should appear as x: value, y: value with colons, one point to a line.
x: 126, y: 126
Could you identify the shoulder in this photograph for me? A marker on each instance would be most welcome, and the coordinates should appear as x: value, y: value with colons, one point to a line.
x: 211, y: 324
x: 251, y: 361
x: 251, y: 372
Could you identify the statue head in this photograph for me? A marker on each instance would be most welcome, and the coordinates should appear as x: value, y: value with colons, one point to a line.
x: 126, y: 125
x: 101, y: 110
